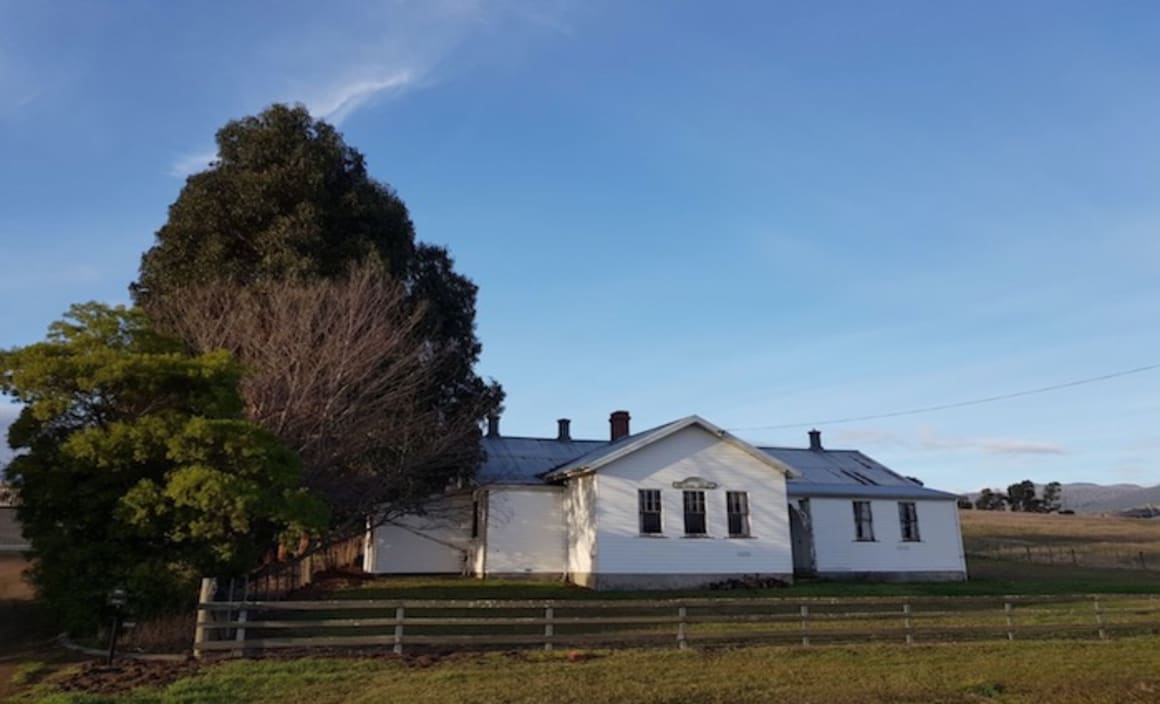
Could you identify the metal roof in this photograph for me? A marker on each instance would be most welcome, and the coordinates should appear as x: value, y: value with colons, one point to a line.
x: 805, y: 490
x: 626, y: 445
x: 513, y: 460
x: 845, y: 473
x: 836, y: 467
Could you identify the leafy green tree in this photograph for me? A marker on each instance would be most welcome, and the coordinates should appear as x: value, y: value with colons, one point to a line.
x: 1022, y: 497
x: 286, y: 198
x: 991, y: 500
x: 289, y: 201
x: 136, y: 467
x: 1052, y: 499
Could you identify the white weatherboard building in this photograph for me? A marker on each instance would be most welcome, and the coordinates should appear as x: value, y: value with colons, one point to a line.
x: 682, y: 505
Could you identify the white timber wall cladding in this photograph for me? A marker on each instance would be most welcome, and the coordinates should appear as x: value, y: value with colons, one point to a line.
x: 939, y: 549
x: 526, y: 532
x: 580, y: 516
x: 435, y: 543
x: 691, y: 452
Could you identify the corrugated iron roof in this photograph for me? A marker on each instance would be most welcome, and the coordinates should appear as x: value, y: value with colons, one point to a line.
x: 520, y: 460
x: 612, y: 451
x: 836, y: 467
x: 805, y: 490
x: 514, y: 460
x: 846, y: 473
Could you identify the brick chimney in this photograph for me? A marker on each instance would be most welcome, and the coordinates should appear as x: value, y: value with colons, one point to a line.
x: 493, y: 426
x: 564, y: 433
x: 816, y: 440
x: 619, y: 423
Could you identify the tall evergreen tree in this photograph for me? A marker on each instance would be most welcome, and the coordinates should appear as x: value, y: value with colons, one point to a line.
x: 287, y: 200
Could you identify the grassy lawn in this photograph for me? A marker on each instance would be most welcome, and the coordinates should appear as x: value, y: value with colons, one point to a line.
x: 987, y: 577
x: 1123, y: 671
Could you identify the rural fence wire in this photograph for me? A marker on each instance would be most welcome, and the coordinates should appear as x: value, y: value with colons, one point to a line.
x: 1076, y: 555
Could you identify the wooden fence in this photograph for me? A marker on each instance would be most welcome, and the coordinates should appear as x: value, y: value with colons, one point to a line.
x: 244, y: 628
x: 1078, y: 555
x: 276, y: 580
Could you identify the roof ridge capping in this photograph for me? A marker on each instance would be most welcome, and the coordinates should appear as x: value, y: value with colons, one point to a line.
x: 599, y: 457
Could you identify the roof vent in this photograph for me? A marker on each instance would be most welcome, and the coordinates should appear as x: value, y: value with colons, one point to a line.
x: 493, y: 425
x: 619, y: 424
x: 816, y: 440
x: 564, y: 434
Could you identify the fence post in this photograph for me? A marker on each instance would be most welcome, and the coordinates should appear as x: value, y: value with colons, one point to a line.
x: 1143, y: 565
x: 1028, y: 549
x: 1074, y: 561
x: 204, y: 616
x: 1010, y: 624
x: 906, y: 622
x: 243, y: 613
x: 399, y: 630
x: 1100, y: 619
x: 682, y: 614
x: 549, y: 628
x: 805, y: 611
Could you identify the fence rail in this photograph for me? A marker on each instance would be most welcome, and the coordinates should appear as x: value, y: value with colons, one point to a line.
x: 1075, y: 555
x: 248, y: 627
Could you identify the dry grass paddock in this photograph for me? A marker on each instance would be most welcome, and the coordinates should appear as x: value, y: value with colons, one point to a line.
x: 1092, y: 541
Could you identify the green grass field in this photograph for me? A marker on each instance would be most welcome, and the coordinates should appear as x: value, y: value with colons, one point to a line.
x: 1120, y: 670
x: 987, y: 577
x: 1124, y: 672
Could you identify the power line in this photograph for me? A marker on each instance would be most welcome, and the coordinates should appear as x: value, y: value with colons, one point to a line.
x: 957, y: 404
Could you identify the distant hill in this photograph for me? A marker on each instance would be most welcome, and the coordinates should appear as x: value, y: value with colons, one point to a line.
x: 1083, y: 497
x: 1109, y: 498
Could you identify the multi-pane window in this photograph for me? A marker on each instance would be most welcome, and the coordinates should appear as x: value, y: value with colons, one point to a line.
x: 908, y: 519
x: 695, y: 513
x: 650, y: 511
x: 737, y: 508
x: 863, y: 521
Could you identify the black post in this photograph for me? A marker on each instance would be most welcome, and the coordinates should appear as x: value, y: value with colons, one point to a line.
x: 117, y: 599
x: 113, y: 635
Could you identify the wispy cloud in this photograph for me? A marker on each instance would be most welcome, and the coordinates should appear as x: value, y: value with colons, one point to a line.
x: 344, y: 99
x: 355, y: 58
x: 929, y: 439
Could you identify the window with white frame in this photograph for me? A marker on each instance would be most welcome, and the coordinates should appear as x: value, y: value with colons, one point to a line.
x: 650, y: 511
x: 695, y: 513
x: 908, y: 520
x: 737, y: 509
x: 863, y: 521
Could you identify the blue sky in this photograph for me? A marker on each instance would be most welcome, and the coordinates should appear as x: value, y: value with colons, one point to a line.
x: 766, y: 213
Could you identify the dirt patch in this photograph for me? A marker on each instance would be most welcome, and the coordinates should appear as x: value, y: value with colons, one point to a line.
x: 13, y: 586
x: 97, y: 678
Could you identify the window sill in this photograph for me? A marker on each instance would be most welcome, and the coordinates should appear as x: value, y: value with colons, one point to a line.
x: 697, y: 537
x: 865, y: 540
x: 741, y: 537
x: 651, y: 535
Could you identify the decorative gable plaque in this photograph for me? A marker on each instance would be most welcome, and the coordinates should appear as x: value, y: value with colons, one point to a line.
x: 694, y: 483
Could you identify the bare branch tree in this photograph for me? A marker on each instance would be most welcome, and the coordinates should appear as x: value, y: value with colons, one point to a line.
x: 340, y: 370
